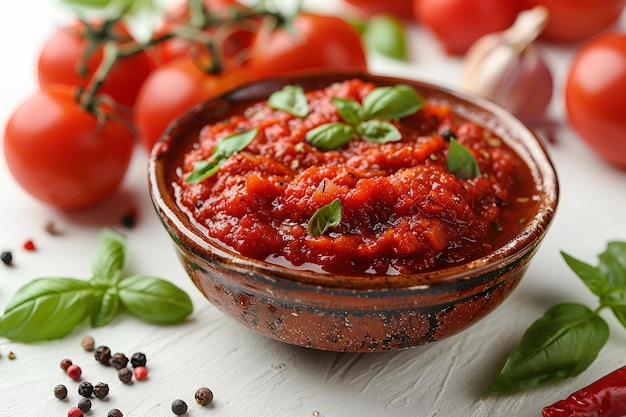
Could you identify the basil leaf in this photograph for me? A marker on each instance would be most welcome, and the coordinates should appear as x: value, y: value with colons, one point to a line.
x: 203, y: 169
x: 46, y: 308
x: 613, y: 264
x: 391, y: 102
x: 616, y: 300
x: 330, y: 136
x: 562, y: 343
x: 110, y: 258
x: 461, y: 163
x: 591, y: 276
x: 154, y: 299
x: 290, y: 99
x: 386, y: 35
x: 324, y: 218
x: 349, y: 110
x: 104, y: 307
x: 378, y: 131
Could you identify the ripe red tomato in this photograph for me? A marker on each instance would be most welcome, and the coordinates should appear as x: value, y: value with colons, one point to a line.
x: 175, y: 88
x: 594, y: 96
x: 457, y: 24
x: 577, y: 20
x: 311, y: 42
x: 60, y: 58
x: 61, y: 155
x: 400, y: 8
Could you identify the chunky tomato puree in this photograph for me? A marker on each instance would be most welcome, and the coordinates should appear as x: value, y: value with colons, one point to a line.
x: 402, y: 210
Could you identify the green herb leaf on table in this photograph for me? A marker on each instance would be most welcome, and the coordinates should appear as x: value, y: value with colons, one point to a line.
x: 325, y: 218
x: 50, y: 308
x: 290, y: 99
x: 224, y: 148
x: 460, y: 161
x: 613, y: 264
x: 330, y: 136
x: 386, y: 35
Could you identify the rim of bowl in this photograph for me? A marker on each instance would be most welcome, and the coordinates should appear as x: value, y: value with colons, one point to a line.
x: 507, y: 126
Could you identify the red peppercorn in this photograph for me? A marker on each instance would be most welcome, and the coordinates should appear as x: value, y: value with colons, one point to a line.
x: 141, y: 372
x: 74, y: 372
x: 75, y: 412
x: 29, y: 245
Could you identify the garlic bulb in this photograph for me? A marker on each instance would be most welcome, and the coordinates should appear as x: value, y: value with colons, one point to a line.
x: 507, y: 68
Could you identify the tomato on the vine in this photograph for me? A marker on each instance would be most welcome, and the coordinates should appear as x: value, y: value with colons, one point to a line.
x: 61, y: 57
x: 175, y: 88
x: 457, y: 24
x: 594, y: 96
x: 310, y: 42
x: 577, y: 20
x: 64, y: 155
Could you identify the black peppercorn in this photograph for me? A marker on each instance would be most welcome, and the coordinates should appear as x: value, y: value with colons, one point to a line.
x: 103, y: 355
x: 179, y: 407
x: 84, y: 404
x: 204, y: 396
x: 7, y: 258
x: 138, y: 359
x: 101, y: 390
x: 114, y: 412
x: 118, y: 361
x: 60, y: 391
x: 85, y: 389
x: 125, y: 375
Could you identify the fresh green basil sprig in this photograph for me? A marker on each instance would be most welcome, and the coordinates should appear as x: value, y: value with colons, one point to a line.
x: 290, y: 99
x: 368, y: 120
x: 324, y: 218
x: 50, y: 308
x: 568, y: 338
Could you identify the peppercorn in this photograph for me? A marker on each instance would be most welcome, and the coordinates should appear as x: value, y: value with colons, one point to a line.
x: 141, y: 372
x: 118, y: 361
x: 7, y: 258
x: 129, y: 219
x: 60, y: 391
x: 204, y: 396
x: 85, y: 389
x: 101, y: 390
x: 87, y: 343
x: 66, y: 363
x: 179, y: 407
x: 103, y: 355
x: 29, y: 245
x: 114, y: 412
x: 125, y: 375
x: 11, y: 355
x: 138, y: 359
x: 84, y: 404
x: 74, y: 372
x: 75, y: 412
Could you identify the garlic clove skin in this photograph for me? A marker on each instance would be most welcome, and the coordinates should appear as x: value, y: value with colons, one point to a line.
x: 507, y: 68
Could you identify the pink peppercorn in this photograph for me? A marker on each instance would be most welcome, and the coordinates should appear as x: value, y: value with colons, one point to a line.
x: 141, y: 372
x: 29, y: 245
x: 75, y: 412
x: 74, y: 372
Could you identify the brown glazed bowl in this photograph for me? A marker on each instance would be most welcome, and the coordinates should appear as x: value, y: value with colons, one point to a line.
x: 348, y: 313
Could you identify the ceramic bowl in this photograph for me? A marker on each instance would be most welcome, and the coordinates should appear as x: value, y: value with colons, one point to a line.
x: 348, y: 313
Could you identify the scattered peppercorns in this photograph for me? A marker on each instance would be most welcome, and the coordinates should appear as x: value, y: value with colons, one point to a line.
x: 51, y: 229
x: 74, y: 372
x: 179, y: 407
x: 7, y: 258
x: 84, y: 404
x: 88, y: 343
x: 66, y: 363
x: 60, y: 391
x: 141, y: 373
x: 129, y: 219
x: 114, y: 412
x: 118, y: 361
x: 204, y: 396
x: 11, y: 355
x: 125, y: 375
x: 101, y: 390
x: 75, y: 412
x: 103, y: 355
x: 138, y: 359
x: 29, y: 245
x: 85, y: 389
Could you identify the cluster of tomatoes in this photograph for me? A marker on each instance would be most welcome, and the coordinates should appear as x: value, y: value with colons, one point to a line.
x: 101, y: 91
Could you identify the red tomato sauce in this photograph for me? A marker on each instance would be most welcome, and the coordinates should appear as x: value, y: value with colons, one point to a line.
x: 403, y: 211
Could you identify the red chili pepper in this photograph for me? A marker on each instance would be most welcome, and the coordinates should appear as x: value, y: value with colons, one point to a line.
x: 604, y: 398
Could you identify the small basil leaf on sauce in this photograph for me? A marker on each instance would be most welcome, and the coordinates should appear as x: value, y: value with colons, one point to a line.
x: 290, y: 99
x: 324, y: 218
x: 330, y: 136
x: 349, y: 110
x: 224, y: 148
x: 461, y: 163
x: 378, y: 131
x: 391, y: 102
